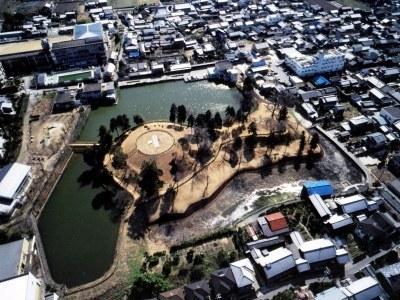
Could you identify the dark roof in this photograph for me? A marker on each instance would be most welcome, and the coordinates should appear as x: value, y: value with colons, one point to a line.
x: 376, y: 226
x: 75, y: 43
x: 199, y: 290
x: 63, y: 7
x: 223, y: 281
x: 63, y: 97
x: 92, y: 87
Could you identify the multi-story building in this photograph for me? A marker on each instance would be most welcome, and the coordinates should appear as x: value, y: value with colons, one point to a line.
x: 307, y: 65
x: 88, y: 48
x: 15, y: 180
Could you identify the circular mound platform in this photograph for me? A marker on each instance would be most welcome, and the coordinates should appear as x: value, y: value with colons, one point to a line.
x: 154, y: 142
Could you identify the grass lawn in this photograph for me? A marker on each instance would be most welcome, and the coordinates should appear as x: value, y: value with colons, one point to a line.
x: 75, y: 77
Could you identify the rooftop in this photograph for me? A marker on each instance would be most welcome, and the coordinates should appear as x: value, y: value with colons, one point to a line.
x: 11, y: 177
x: 29, y: 45
x: 10, y: 255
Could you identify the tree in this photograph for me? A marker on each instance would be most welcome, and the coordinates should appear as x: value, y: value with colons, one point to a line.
x: 240, y: 116
x: 123, y: 122
x: 252, y: 128
x: 138, y: 120
x: 247, y: 84
x: 172, y: 113
x: 223, y: 259
x: 197, y: 273
x: 181, y: 115
x: 148, y: 285
x: 283, y: 114
x: 200, y: 120
x: 237, y: 143
x: 105, y: 140
x: 230, y: 112
x: 302, y: 143
x: 190, y: 121
x: 314, y: 141
x: 218, y: 120
x: 207, y: 116
x: 119, y: 159
x: 114, y: 125
x: 149, y: 178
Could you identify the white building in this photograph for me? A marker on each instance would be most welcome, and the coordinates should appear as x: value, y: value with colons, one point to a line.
x: 354, y: 203
x: 307, y: 65
x: 25, y: 287
x: 366, y: 288
x: 15, y: 180
x: 244, y: 274
x: 317, y: 250
x: 338, y: 221
x: 274, y: 262
x: 319, y: 205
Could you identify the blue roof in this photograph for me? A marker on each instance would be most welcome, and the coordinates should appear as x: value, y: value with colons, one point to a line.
x: 320, y: 187
x: 321, y: 81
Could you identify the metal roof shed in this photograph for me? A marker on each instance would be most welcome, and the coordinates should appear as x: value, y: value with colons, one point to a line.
x: 320, y: 187
x: 320, y: 205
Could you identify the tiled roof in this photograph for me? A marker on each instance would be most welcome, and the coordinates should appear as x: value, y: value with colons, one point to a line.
x: 276, y: 221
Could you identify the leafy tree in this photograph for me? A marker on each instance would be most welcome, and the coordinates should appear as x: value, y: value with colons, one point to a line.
x: 166, y: 270
x: 283, y: 114
x: 230, y: 112
x: 191, y: 121
x: 203, y: 153
x: 123, y: 122
x: 149, y: 178
x: 119, y: 159
x: 198, y: 259
x: 285, y: 295
x: 181, y: 115
x: 222, y: 259
x: 247, y: 84
x: 148, y: 285
x: 138, y: 120
x: 314, y: 141
x: 218, y: 120
x: 240, y: 116
x: 189, y: 256
x: 105, y: 142
x: 252, y: 128
x: 200, y: 120
x: 237, y: 143
x: 197, y: 273
x: 114, y: 125
x: 302, y: 143
x: 172, y: 113
x: 207, y: 116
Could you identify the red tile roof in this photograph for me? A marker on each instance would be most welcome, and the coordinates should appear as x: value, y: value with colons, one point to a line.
x: 276, y: 221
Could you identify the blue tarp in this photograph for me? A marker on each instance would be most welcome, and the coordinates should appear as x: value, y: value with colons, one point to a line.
x: 321, y: 187
x: 321, y: 81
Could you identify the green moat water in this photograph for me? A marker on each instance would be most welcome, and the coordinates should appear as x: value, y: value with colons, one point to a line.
x: 78, y: 236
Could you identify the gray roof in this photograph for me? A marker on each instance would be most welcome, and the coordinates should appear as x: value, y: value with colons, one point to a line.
x: 10, y: 255
x: 391, y: 270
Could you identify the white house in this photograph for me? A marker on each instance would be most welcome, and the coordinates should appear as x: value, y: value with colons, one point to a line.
x: 366, y: 288
x: 15, y: 180
x: 338, y: 221
x: 244, y: 274
x: 274, y: 262
x: 352, y: 204
x: 317, y: 250
x: 306, y: 65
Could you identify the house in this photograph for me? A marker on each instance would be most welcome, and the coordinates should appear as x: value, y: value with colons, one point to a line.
x: 273, y: 224
x: 318, y: 250
x: 63, y: 101
x: 360, y: 124
x: 339, y: 221
x: 321, y: 187
x: 320, y: 206
x: 275, y: 262
x: 245, y: 277
x: 389, y: 276
x: 376, y: 230
x: 376, y: 141
x: 21, y: 288
x: 15, y: 180
x: 352, y: 204
x: 176, y: 294
x: 366, y: 288
x: 391, y: 114
x: 394, y: 165
x: 16, y: 258
x: 238, y: 281
x: 199, y: 290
